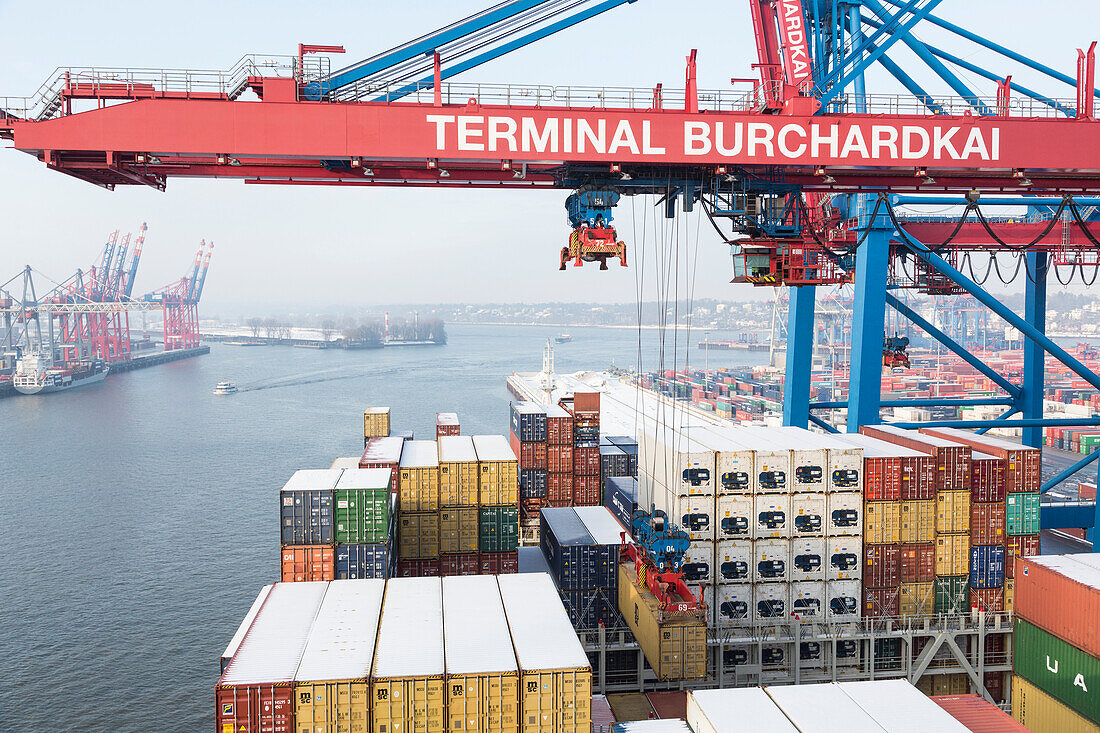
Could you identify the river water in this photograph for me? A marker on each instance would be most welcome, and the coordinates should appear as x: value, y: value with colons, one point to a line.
x: 142, y: 515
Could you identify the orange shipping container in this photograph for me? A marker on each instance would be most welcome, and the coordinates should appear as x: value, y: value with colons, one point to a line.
x: 1061, y: 595
x: 308, y: 562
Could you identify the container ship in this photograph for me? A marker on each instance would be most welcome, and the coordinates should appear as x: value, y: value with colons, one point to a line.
x: 35, y: 373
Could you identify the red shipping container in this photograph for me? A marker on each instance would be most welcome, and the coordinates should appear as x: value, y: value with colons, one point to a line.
x: 446, y: 423
x: 987, y: 478
x: 559, y: 487
x: 987, y: 523
x: 255, y: 708
x: 586, y: 490
x: 559, y: 503
x: 952, y: 459
x: 881, y: 478
x: 1019, y: 546
x: 882, y: 603
x: 586, y: 402
x: 990, y: 600
x: 918, y: 479
x: 384, y: 453
x: 586, y: 461
x: 465, y: 564
x: 530, y: 508
x: 559, y: 430
x: 308, y: 562
x: 498, y: 563
x: 417, y: 569
x: 979, y: 715
x: 917, y: 562
x: 530, y: 454
x: 1023, y: 465
x: 880, y: 566
x: 1058, y: 594
x: 559, y: 458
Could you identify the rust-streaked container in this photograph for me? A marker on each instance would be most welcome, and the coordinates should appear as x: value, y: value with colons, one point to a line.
x: 979, y: 715
x: 1039, y: 712
x: 987, y: 523
x: 952, y: 459
x: 987, y: 478
x: 892, y: 472
x: 676, y: 647
x: 418, y: 535
x: 458, y: 530
x: 531, y: 454
x: 882, y: 522
x: 376, y: 422
x: 1023, y: 465
x: 498, y: 480
x: 881, y: 603
x: 880, y: 566
x: 1061, y: 595
x: 419, y: 489
x: 918, y: 522
x: 1019, y: 546
x: 953, y: 554
x: 990, y: 600
x: 559, y: 426
x: 917, y: 562
x: 302, y: 563
x: 952, y: 512
x: 458, y: 475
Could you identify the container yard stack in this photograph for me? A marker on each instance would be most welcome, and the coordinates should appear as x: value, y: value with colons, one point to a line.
x: 559, y: 456
x: 498, y: 504
x: 331, y: 685
x: 482, y: 677
x: 384, y: 453
x: 528, y: 441
x: 256, y: 690
x: 364, y: 520
x: 458, y: 506
x: 376, y: 423
x: 555, y: 675
x: 1056, y: 662
x: 408, y: 672
x: 584, y: 407
x: 446, y: 423
x: 419, y: 531
x: 306, y: 513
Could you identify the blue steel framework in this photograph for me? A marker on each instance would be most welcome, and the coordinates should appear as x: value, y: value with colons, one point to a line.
x: 843, y: 53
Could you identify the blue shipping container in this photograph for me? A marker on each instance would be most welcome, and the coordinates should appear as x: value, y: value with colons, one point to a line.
x: 613, y: 461
x: 532, y: 483
x: 569, y: 549
x: 306, y: 516
x: 987, y: 566
x: 529, y: 422
x: 356, y: 562
x: 620, y: 496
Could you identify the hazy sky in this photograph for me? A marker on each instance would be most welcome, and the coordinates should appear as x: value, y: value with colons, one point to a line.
x: 318, y: 246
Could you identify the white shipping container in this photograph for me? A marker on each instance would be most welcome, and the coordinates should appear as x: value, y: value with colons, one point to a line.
x: 684, y: 465
x: 734, y: 517
x: 808, y: 515
x: 773, y: 462
x: 845, y: 463
x: 809, y: 601
x: 746, y: 709
x: 341, y: 642
x: 734, y: 605
x: 812, y: 653
x: 734, y: 561
x: 771, y: 561
x: 410, y: 636
x: 844, y: 515
x: 843, y: 597
x: 476, y: 638
x: 698, y: 564
x: 807, y: 558
x: 542, y: 635
x: 848, y: 653
x: 844, y: 555
x: 249, y: 617
x: 772, y: 602
x: 771, y: 516
x: 693, y: 514
x: 901, y: 708
x: 735, y: 467
x: 822, y: 708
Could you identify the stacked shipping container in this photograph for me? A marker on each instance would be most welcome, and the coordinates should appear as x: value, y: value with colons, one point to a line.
x: 581, y: 547
x: 376, y: 423
x: 498, y: 505
x: 584, y: 408
x: 419, y: 531
x: 559, y: 457
x: 306, y: 517
x: 458, y: 505
x: 528, y: 438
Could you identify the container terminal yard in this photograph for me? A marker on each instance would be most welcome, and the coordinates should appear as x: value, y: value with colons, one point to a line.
x: 613, y: 543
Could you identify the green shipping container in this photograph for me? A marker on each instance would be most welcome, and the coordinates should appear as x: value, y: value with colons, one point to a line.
x: 362, y: 515
x: 1022, y: 514
x: 953, y: 594
x: 1058, y: 668
x: 498, y: 528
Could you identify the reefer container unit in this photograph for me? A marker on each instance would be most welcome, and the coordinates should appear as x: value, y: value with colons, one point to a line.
x: 845, y: 468
x: 808, y: 512
x: 331, y: 686
x: 1061, y: 595
x: 528, y: 421
x: 1023, y: 465
x: 255, y: 693
x: 843, y: 597
x: 358, y: 562
x: 408, y: 670
x: 685, y: 466
x: 376, y: 422
x: 746, y: 708
x: 249, y: 617
x: 482, y: 675
x: 807, y: 558
x: 305, y: 506
x: 384, y: 453
x: 1022, y: 514
x: 734, y: 561
x: 308, y: 563
x: 918, y: 521
x: 734, y: 517
x: 498, y: 483
x: 362, y: 497
x: 891, y: 471
x: 773, y: 462
x: 845, y: 558
x: 987, y: 478
x: 620, y: 496
x: 809, y: 458
x: 1038, y: 712
x: 808, y: 600
x: 675, y: 647
x: 419, y: 484
x: 844, y: 517
x: 498, y: 528
x: 952, y: 459
x: 446, y: 423
x: 772, y: 516
x: 771, y: 561
x: 555, y: 675
x: 1067, y: 673
x: 418, y: 535
x: 693, y: 514
x: 458, y: 531
x: 457, y: 471
x: 733, y: 605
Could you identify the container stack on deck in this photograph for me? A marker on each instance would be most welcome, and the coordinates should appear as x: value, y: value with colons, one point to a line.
x: 306, y: 535
x: 364, y: 508
x: 581, y: 547
x: 376, y: 423
x: 458, y: 505
x: 498, y: 507
x: 446, y: 423
x: 1057, y: 650
x: 419, y: 530
x: 584, y: 408
x: 559, y: 457
x: 528, y: 440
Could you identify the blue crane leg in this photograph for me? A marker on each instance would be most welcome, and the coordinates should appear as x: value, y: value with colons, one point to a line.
x: 1035, y: 313
x: 800, y: 348
x: 869, y: 316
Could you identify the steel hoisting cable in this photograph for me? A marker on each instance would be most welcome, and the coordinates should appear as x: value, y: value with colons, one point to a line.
x: 1020, y: 247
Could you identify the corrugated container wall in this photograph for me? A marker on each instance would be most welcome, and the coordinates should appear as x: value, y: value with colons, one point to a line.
x: 1061, y: 594
x: 1041, y: 713
x: 1063, y: 671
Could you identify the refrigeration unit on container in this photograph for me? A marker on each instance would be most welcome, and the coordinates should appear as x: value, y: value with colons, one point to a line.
x: 256, y: 691
x: 301, y: 563
x: 528, y: 421
x: 773, y: 468
x: 771, y: 602
x: 808, y: 600
x: 683, y: 465
x: 555, y: 674
x: 238, y: 636
x: 891, y: 471
x: 1061, y: 595
x: 482, y: 677
x: 418, y: 488
x: 733, y: 605
x: 698, y: 564
x: 771, y: 561
x: 845, y: 461
x: 332, y: 683
x: 807, y: 558
x: 952, y: 459
x: 735, y: 467
x: 843, y: 597
x: 844, y: 558
x: 376, y: 422
x: 498, y: 483
x: 808, y: 513
x: 694, y: 514
x: 458, y: 471
x: 735, y: 517
x: 734, y: 561
x: 363, y: 499
x: 305, y: 507
x: 809, y: 458
x: 407, y: 675
x: 446, y: 423
x: 620, y: 496
x: 772, y: 516
x: 844, y: 515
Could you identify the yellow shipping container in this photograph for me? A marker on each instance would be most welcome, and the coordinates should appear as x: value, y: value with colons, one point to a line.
x: 458, y: 471
x: 419, y: 476
x: 1010, y: 586
x: 918, y: 521
x: 950, y: 684
x: 882, y: 522
x: 458, y: 531
x: 498, y: 471
x: 952, y: 512
x: 376, y: 422
x: 332, y: 707
x: 1040, y: 713
x: 418, y: 535
x: 952, y: 554
x: 676, y: 647
x: 917, y: 599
